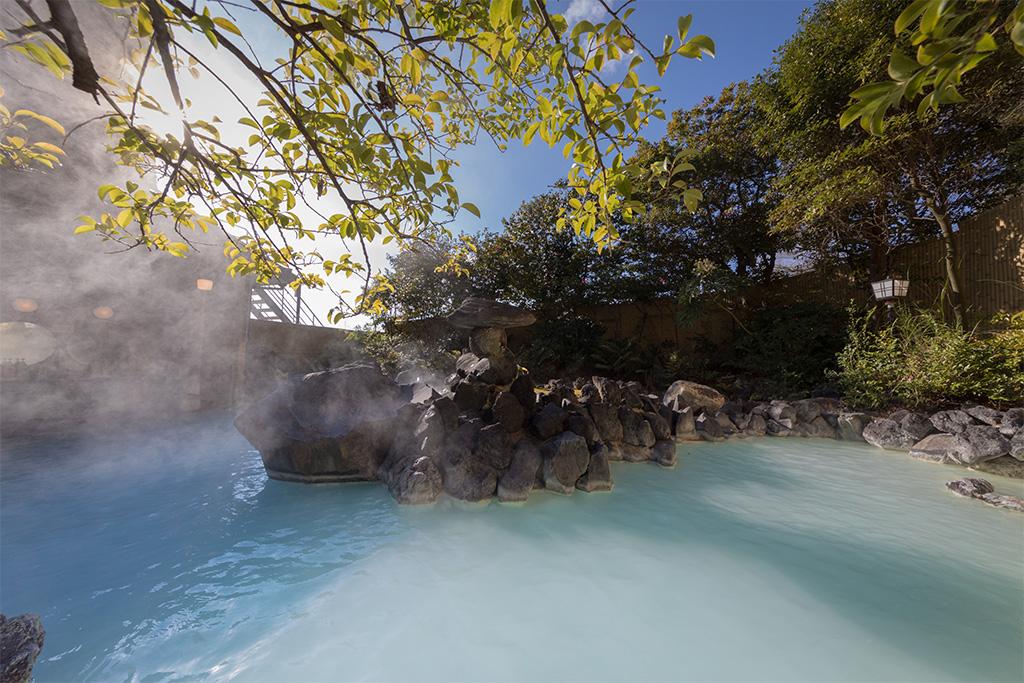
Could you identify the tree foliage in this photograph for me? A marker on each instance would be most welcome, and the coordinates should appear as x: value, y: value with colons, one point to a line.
x: 361, y: 107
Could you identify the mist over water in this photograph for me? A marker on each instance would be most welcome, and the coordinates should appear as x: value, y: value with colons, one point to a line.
x: 168, y: 555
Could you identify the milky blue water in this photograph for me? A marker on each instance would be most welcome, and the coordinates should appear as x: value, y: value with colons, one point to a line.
x: 171, y: 557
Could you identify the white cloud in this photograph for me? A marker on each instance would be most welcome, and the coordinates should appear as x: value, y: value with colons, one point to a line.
x: 578, y: 10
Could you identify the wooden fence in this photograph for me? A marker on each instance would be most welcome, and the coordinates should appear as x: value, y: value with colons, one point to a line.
x: 990, y: 251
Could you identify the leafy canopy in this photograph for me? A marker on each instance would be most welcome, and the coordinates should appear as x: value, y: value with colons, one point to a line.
x: 357, y: 119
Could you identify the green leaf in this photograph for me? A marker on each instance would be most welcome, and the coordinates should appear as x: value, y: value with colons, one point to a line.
x: 683, y: 26
x: 908, y: 15
x: 692, y: 198
x: 499, y: 12
x: 227, y: 25
x: 901, y: 67
x: 42, y: 119
x: 472, y: 209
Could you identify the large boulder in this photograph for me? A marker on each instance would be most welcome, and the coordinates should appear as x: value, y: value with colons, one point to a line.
x: 608, y: 390
x: 498, y: 370
x: 508, y: 411
x: 1005, y: 466
x: 851, y: 426
x: 952, y: 421
x: 471, y: 396
x: 466, y: 476
x: 21, y: 641
x: 518, y: 480
x: 917, y: 425
x: 1017, y: 445
x: 606, y: 419
x: 887, y: 434
x: 756, y: 425
x: 566, y: 458
x: 708, y: 428
x: 818, y: 428
x: 333, y: 402
x: 580, y: 423
x: 985, y: 415
x: 480, y: 312
x: 809, y: 408
x: 664, y: 453
x: 982, y: 490
x: 978, y: 443
x: 523, y: 389
x: 549, y: 421
x: 494, y: 447
x: 636, y: 431
x: 417, y: 482
x: 935, y: 448
x: 659, y: 425
x: 1012, y: 422
x: 684, y: 426
x: 598, y: 476
x: 683, y: 394
x: 783, y: 412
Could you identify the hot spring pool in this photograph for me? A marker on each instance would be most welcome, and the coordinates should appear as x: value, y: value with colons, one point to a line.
x: 171, y: 557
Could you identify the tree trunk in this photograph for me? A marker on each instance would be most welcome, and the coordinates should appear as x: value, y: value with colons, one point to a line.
x: 952, y: 278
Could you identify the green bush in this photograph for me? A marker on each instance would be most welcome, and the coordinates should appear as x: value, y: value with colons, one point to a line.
x: 920, y: 361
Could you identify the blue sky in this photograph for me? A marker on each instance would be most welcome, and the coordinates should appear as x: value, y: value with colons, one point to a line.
x: 746, y: 34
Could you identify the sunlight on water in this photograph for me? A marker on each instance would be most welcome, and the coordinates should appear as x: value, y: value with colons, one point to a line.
x: 171, y: 557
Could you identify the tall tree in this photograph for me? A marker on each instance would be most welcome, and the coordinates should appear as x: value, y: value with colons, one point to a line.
x: 845, y: 190
x: 358, y: 109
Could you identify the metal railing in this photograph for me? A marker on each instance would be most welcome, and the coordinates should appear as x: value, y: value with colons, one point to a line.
x: 280, y: 303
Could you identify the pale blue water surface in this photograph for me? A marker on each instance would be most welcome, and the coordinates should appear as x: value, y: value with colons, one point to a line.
x: 170, y: 556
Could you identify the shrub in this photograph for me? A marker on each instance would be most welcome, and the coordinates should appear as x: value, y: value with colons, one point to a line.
x: 920, y: 361
x: 560, y: 346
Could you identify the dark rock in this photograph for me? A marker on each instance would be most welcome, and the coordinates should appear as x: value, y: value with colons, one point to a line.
x: 916, y: 425
x: 516, y: 482
x: 448, y: 411
x: 780, y: 411
x: 489, y: 342
x: 780, y: 427
x: 709, y: 429
x: 566, y: 458
x: 970, y: 487
x: 549, y: 421
x: 806, y: 409
x: 632, y: 453
x: 636, y: 431
x: 952, y: 421
x: 466, y: 476
x: 21, y: 641
x: 851, y: 426
x: 416, y: 483
x: 589, y: 393
x: 523, y: 389
x: 685, y: 427
x: 664, y: 453
x: 818, y: 428
x: 886, y: 433
x: 985, y: 415
x: 493, y: 446
x: 470, y: 396
x: 728, y: 426
x: 659, y: 425
x: 606, y: 419
x: 978, y: 443
x: 508, y: 411
x: 935, y: 448
x: 480, y: 312
x: 756, y: 426
x: 631, y: 395
x: 598, y: 476
x: 466, y: 434
x: 615, y: 453
x: 683, y: 394
x: 581, y: 424
x: 1017, y: 445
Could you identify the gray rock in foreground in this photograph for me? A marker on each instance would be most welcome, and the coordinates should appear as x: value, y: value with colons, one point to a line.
x: 935, y: 448
x: 887, y: 434
x: 978, y: 443
x: 982, y: 490
x: 21, y: 641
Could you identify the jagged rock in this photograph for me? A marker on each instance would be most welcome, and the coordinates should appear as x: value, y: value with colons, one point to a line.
x: 606, y: 419
x: 1005, y: 466
x: 684, y: 427
x: 978, y: 443
x: 589, y: 393
x: 500, y: 370
x: 818, y: 428
x: 756, y: 425
x: 728, y: 427
x: 480, y: 312
x: 470, y: 396
x: 333, y: 402
x: 935, y: 448
x: 608, y: 391
x: 664, y: 453
x: 916, y: 425
x: 780, y: 427
x: 781, y: 412
x: 549, y: 421
x: 489, y: 342
x: 581, y: 424
x: 598, y: 476
x: 516, y: 482
x: 1017, y: 445
x: 708, y: 428
x: 683, y: 394
x: 465, y: 363
x: 851, y: 426
x: 508, y: 411
x: 466, y: 434
x: 566, y: 458
x: 886, y: 433
x: 809, y: 408
x: 651, y: 403
x: 21, y: 641
x: 416, y: 483
x: 970, y: 487
x: 985, y: 415
x: 493, y: 446
x: 615, y: 453
x: 523, y: 389
x: 1012, y: 422
x: 636, y: 431
x: 741, y: 420
x: 633, y: 453
x: 659, y: 425
x: 952, y: 421
x: 466, y: 476
x: 631, y: 395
